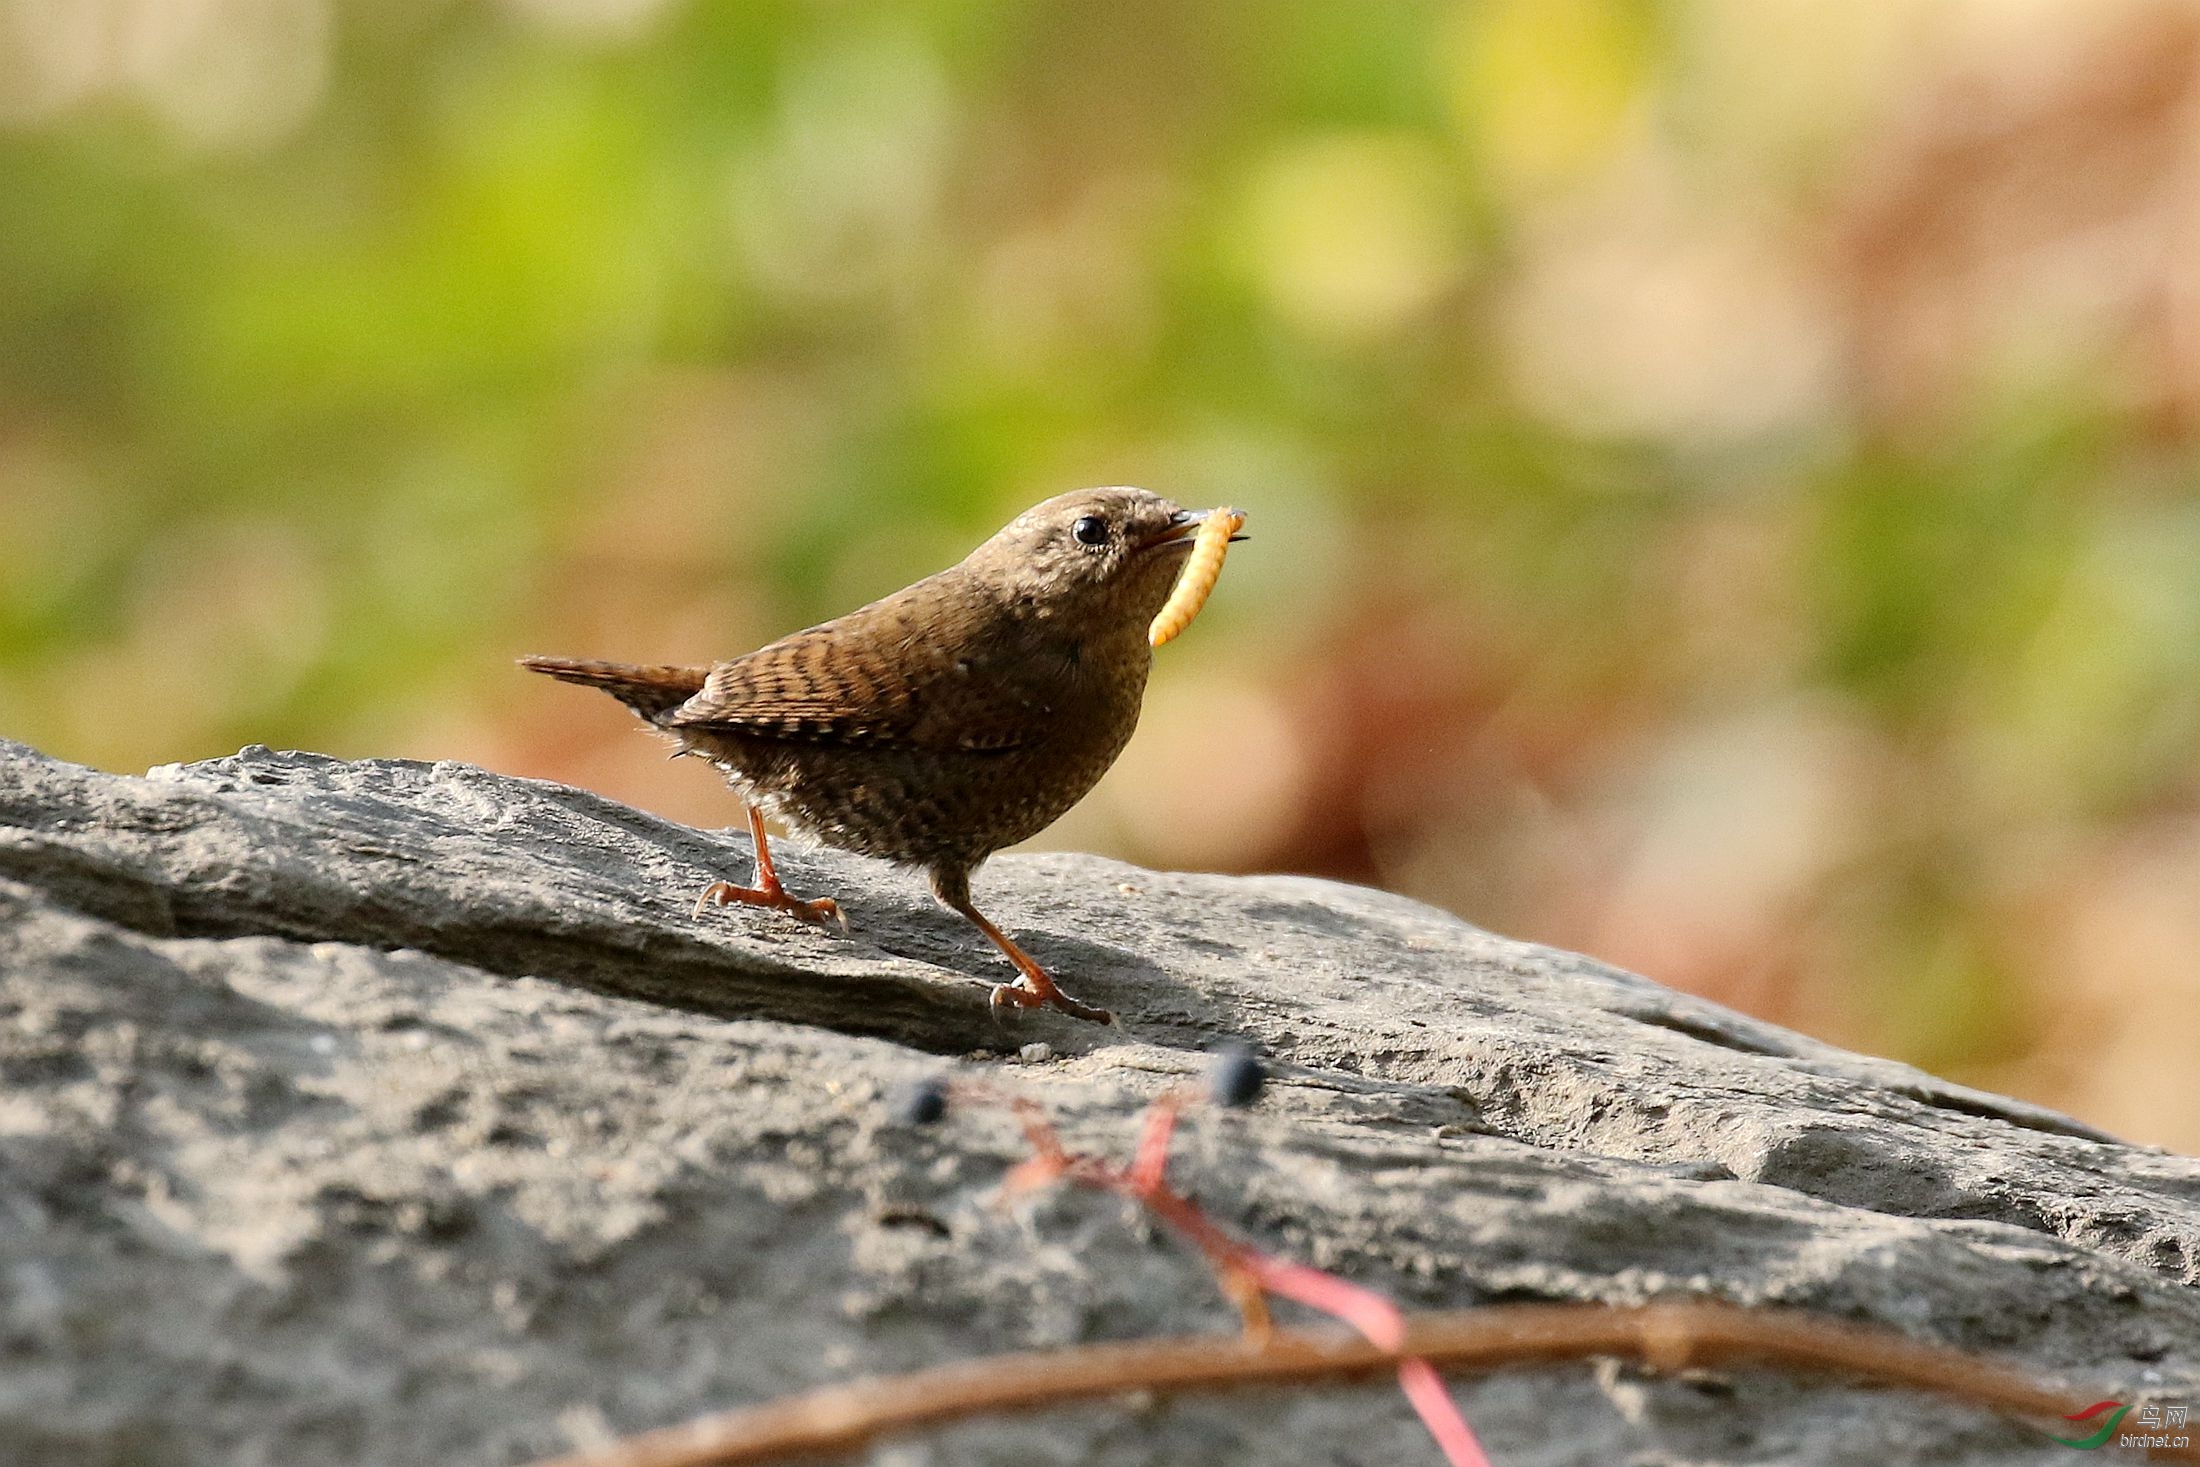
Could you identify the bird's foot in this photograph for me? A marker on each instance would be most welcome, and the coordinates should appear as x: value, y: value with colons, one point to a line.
x: 951, y: 884
x: 817, y: 913
x: 1045, y: 993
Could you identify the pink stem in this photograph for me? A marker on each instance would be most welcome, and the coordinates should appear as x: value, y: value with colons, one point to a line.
x: 1150, y: 1166
x: 1374, y: 1316
x: 1385, y: 1327
x: 1440, y: 1414
x: 1364, y: 1309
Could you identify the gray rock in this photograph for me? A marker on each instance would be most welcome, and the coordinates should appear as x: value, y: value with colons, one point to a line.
x: 384, y: 1112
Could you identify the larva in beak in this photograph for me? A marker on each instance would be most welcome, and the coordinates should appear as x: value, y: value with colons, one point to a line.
x: 1198, y: 578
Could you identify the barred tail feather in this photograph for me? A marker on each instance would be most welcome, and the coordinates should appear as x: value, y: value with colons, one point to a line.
x: 651, y: 691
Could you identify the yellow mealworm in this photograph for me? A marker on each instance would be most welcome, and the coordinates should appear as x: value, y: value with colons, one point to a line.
x: 1198, y: 579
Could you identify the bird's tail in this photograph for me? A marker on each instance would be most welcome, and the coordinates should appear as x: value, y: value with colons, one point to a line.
x: 650, y: 691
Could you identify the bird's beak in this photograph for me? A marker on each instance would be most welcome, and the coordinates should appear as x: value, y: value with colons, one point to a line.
x: 1180, y: 529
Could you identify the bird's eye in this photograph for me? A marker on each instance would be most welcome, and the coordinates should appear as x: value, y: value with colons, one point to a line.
x: 1090, y: 530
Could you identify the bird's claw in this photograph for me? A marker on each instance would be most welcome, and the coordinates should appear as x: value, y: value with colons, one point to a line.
x: 818, y: 913
x: 1012, y: 996
x: 1019, y: 995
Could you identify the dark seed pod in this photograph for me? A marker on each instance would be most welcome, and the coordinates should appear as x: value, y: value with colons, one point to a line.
x: 922, y: 1104
x: 1238, y: 1076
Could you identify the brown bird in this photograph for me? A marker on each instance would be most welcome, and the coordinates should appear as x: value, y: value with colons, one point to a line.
x: 952, y: 718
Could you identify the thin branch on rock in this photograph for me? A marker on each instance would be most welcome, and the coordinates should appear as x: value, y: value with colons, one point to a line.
x: 846, y: 1418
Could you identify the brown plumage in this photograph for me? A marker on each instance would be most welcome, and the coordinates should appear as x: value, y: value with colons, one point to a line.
x: 952, y: 718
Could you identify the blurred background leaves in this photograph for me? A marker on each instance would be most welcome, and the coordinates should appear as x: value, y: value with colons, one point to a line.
x: 1724, y: 471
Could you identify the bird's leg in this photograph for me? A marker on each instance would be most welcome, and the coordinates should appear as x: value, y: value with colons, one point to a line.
x: 1035, y: 989
x: 768, y: 892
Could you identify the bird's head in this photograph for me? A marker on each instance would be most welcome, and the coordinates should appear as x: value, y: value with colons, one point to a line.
x: 1108, y: 557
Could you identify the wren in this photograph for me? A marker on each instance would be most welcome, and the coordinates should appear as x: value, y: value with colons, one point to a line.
x: 933, y: 727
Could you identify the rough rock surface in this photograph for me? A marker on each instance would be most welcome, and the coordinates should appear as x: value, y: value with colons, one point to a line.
x: 393, y: 1113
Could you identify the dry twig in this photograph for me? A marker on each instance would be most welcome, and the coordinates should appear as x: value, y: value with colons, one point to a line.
x: 845, y: 1418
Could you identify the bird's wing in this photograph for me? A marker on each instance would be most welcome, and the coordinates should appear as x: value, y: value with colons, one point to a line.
x: 897, y: 673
